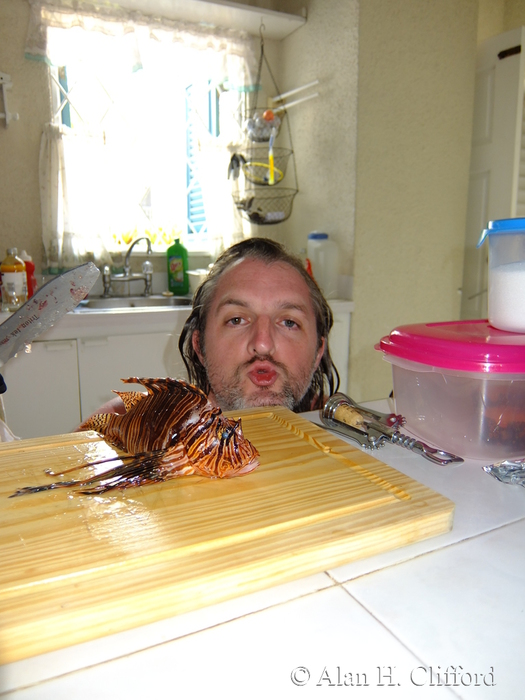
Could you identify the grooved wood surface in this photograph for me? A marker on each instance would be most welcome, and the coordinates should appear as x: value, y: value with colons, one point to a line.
x: 77, y: 567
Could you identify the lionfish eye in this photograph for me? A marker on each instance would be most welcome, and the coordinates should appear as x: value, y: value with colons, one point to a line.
x: 226, y: 434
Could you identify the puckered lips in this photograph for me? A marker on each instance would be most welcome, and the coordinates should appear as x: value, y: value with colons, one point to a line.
x: 263, y: 374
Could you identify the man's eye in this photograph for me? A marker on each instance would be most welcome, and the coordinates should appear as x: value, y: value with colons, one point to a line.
x: 235, y: 321
x: 289, y: 323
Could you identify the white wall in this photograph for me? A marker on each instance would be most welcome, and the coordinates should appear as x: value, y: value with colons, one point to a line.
x: 416, y: 86
x: 324, y: 129
x: 20, y: 222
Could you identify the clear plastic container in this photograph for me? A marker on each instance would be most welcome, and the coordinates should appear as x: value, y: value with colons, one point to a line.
x: 461, y: 386
x: 506, y: 287
x: 323, y: 255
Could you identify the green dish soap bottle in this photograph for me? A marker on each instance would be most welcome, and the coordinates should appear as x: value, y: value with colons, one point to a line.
x: 178, y: 281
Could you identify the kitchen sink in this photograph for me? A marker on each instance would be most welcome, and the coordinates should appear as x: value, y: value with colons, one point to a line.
x: 136, y: 302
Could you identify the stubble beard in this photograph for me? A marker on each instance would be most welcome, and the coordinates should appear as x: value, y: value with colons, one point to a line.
x: 228, y: 391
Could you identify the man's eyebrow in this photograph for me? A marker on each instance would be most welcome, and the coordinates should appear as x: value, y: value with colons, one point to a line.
x: 293, y: 306
x: 284, y: 305
x: 229, y: 301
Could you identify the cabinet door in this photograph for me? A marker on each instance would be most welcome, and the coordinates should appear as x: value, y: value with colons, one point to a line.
x: 104, y: 361
x: 42, y: 396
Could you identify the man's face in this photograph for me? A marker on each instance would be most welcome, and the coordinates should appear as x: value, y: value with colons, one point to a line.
x: 260, y: 341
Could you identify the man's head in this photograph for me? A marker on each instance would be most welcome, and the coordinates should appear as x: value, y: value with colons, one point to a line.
x: 258, y: 331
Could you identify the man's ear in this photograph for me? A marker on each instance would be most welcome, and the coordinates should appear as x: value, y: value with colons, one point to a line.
x: 195, y: 343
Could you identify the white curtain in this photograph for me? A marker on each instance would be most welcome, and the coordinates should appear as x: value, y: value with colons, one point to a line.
x: 53, y: 195
x: 141, y: 39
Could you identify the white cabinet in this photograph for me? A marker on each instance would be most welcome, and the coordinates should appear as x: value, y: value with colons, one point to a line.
x: 42, y: 396
x: 74, y: 366
x: 104, y: 360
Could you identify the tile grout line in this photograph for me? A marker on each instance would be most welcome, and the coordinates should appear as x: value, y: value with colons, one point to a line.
x: 394, y: 636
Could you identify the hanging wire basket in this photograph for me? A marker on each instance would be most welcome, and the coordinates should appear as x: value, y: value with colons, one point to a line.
x: 263, y: 168
x: 265, y: 206
x: 264, y: 165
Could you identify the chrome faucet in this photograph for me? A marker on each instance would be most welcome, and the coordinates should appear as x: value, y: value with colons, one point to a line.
x: 126, y: 259
x: 127, y: 275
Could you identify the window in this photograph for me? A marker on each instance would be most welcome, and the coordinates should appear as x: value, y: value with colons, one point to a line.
x: 202, y: 106
x: 142, y: 130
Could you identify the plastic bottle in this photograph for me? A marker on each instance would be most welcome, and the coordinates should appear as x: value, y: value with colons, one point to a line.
x: 32, y: 284
x: 178, y: 282
x: 323, y: 255
x: 14, y: 281
x: 506, y: 281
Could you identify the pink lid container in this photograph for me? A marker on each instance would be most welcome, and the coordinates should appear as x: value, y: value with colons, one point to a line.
x: 466, y: 346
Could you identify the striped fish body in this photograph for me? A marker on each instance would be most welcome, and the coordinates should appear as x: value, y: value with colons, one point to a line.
x: 177, y: 419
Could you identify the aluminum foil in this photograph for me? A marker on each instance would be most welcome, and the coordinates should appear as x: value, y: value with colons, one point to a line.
x: 510, y: 471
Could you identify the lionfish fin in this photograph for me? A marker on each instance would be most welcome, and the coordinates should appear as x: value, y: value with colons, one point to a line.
x: 98, y: 422
x: 130, y: 398
x: 145, y: 468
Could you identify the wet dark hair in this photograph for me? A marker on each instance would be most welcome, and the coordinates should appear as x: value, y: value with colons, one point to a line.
x: 325, y: 380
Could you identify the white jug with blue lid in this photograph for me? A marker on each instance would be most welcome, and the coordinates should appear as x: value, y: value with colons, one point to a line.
x: 506, y: 293
x: 323, y: 254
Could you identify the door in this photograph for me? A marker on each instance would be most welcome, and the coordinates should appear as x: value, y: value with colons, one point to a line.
x: 495, y: 157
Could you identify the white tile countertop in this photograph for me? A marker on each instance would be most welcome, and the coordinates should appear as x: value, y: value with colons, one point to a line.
x: 442, y: 618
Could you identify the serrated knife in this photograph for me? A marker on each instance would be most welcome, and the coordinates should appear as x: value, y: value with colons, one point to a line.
x: 43, y: 309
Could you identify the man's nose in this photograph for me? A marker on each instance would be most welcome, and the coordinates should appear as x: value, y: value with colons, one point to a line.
x: 262, y: 339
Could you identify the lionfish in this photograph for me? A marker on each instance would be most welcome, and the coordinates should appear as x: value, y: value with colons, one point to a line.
x: 170, y: 431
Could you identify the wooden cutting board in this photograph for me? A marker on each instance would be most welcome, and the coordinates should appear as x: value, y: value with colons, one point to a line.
x: 76, y: 567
